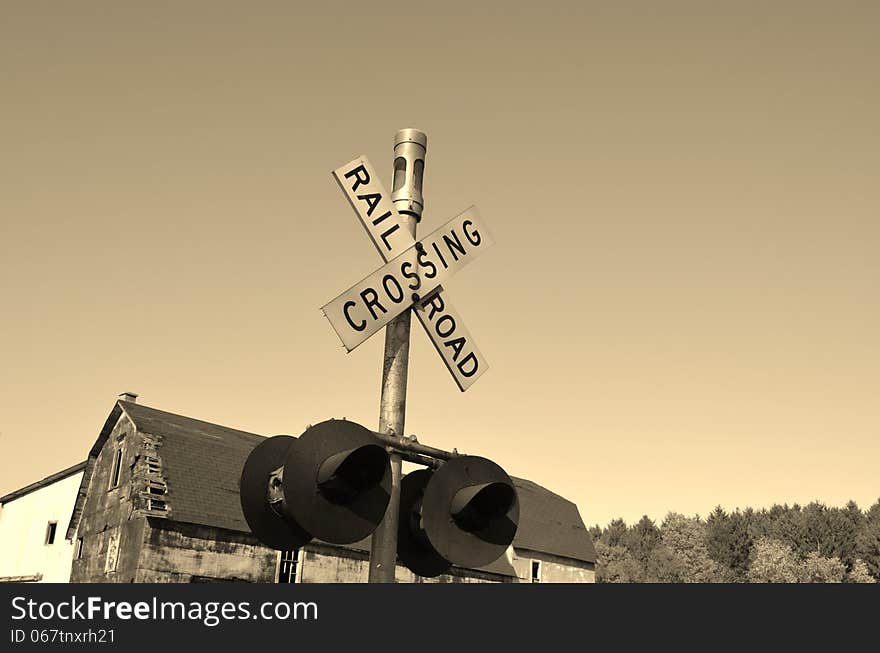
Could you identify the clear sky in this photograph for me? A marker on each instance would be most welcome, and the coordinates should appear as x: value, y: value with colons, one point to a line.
x: 681, y: 307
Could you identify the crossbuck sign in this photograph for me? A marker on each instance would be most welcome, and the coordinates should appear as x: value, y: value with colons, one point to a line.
x: 411, y: 276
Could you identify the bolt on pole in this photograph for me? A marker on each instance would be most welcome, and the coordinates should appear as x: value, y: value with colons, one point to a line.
x: 410, y: 146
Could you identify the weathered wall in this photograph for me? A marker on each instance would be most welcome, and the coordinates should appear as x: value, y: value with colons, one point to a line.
x: 554, y: 569
x: 111, y: 532
x: 326, y: 564
x: 23, y: 524
x: 404, y: 575
x: 173, y: 552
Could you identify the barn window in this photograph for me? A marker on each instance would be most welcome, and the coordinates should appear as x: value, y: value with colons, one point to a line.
x: 536, y: 571
x: 117, y: 467
x: 289, y: 566
x: 51, y: 527
x: 153, y: 465
x: 156, y: 505
x: 78, y: 551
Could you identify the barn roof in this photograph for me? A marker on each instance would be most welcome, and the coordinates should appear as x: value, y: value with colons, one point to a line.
x: 550, y: 523
x: 202, y: 462
x: 52, y: 478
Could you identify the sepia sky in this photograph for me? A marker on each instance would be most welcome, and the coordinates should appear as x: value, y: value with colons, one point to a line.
x: 680, y: 310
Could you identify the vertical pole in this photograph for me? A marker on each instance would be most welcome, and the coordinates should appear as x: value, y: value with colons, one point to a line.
x: 410, y: 146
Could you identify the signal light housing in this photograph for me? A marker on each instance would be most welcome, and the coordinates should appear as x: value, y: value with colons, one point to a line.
x: 265, y: 515
x: 414, y: 549
x: 333, y: 483
x: 466, y: 513
x: 337, y: 481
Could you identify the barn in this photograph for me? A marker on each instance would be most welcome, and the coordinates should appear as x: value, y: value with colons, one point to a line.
x: 157, y: 501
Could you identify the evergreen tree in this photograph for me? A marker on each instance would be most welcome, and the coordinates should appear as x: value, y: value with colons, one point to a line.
x: 616, y: 533
x: 820, y: 531
x: 642, y: 538
x: 813, y: 543
x: 784, y: 524
x: 849, y: 523
x: 868, y: 541
x: 719, y: 535
x: 741, y: 540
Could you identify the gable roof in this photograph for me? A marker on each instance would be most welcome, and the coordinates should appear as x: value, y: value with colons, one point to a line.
x: 52, y: 478
x: 202, y: 462
x: 80, y: 500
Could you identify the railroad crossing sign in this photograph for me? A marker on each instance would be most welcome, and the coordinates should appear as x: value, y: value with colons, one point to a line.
x: 411, y: 276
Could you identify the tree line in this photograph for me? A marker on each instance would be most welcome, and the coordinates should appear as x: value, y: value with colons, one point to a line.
x: 785, y: 544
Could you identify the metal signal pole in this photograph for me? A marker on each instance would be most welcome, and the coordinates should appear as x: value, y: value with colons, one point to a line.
x: 410, y: 146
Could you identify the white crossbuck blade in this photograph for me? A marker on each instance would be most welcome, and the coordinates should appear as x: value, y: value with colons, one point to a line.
x: 373, y: 302
x: 412, y: 276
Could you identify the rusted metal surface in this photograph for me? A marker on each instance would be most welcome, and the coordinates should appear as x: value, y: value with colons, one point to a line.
x: 392, y: 405
x: 410, y: 445
x: 418, y: 459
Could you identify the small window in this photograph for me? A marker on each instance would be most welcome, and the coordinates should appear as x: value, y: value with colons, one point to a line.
x: 51, y: 527
x: 78, y: 549
x: 117, y: 465
x: 536, y: 571
x: 156, y: 505
x: 288, y: 564
x: 153, y: 465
